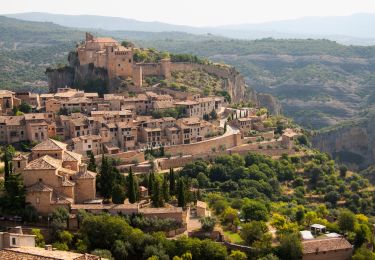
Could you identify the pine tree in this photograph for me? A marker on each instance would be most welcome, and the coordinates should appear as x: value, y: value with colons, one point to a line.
x: 172, y: 182
x: 165, y: 187
x: 181, y: 193
x: 131, y: 187
x: 92, y: 163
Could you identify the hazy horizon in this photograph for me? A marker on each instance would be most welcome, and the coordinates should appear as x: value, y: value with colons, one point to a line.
x: 195, y: 12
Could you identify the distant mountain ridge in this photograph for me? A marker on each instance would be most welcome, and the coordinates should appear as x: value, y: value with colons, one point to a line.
x: 353, y: 29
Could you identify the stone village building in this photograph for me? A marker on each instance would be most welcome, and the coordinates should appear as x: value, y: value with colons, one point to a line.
x: 54, y: 177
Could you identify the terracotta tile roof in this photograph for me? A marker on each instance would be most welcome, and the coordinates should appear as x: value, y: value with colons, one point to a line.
x: 104, y: 40
x: 163, y: 104
x: 69, y: 156
x: 20, y: 157
x: 34, y: 116
x: 164, y: 97
x: 49, y: 144
x: 186, y: 103
x: 6, y: 92
x: 66, y: 171
x: 85, y: 175
x: 325, y: 245
x: 67, y: 183
x: 161, y: 210
x: 45, y: 162
x: 25, y: 252
x: 39, y: 187
x: 14, y: 120
x: 86, y: 137
x: 61, y: 199
x: 78, y: 121
x: 104, y: 206
x: 47, y: 95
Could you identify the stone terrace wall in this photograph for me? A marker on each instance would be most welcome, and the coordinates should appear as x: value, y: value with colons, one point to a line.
x: 125, y: 157
x: 205, y: 146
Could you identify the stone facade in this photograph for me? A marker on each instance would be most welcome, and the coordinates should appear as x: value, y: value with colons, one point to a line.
x: 118, y: 60
x: 16, y: 238
x: 54, y: 177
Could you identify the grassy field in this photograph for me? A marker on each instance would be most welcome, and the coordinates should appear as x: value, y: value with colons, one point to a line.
x: 233, y: 237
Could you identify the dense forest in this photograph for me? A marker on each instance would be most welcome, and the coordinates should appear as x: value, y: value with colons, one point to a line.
x: 257, y: 201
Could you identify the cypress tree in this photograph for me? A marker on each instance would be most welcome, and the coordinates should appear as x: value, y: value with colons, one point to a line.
x: 118, y: 194
x: 181, y: 193
x: 92, y: 163
x: 150, y: 183
x: 131, y: 188
x: 106, y: 179
x: 172, y: 182
x: 157, y: 196
x: 165, y: 187
x: 6, y: 166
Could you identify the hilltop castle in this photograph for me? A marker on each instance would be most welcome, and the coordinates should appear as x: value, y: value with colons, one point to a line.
x: 118, y: 60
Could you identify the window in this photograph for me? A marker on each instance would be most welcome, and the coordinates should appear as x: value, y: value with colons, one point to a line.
x: 37, y: 200
x: 13, y: 240
x: 19, y: 164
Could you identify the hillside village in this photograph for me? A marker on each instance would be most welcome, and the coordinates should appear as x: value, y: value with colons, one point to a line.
x: 69, y: 141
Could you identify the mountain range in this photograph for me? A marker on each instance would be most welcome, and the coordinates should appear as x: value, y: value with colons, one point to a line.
x: 353, y: 29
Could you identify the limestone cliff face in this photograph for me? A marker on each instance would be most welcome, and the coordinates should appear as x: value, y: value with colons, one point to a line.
x: 352, y: 144
x: 84, y: 77
x: 270, y: 102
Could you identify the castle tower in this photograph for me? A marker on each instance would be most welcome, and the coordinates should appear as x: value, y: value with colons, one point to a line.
x: 19, y: 163
x: 166, y: 68
x: 89, y: 36
x: 137, y: 76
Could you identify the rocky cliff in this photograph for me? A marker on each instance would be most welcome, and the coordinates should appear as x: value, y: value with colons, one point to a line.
x: 351, y: 143
x: 85, y: 77
x: 95, y: 79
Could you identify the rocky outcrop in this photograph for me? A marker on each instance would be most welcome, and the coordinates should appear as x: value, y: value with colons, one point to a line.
x: 352, y: 144
x: 234, y: 83
x: 95, y: 79
x: 270, y: 102
x: 85, y: 77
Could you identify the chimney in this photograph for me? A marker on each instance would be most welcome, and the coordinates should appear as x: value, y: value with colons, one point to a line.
x: 16, y: 230
x: 48, y: 247
x: 83, y: 168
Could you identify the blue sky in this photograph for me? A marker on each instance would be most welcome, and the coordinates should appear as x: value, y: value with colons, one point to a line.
x: 196, y: 12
